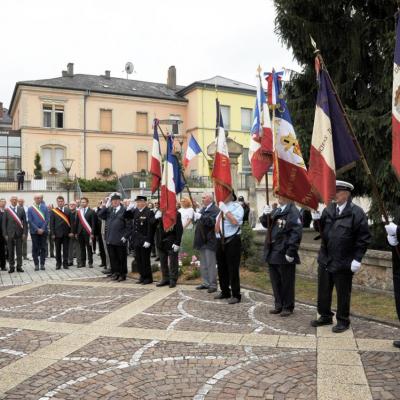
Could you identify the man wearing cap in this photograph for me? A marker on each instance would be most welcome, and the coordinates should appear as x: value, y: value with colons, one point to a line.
x: 281, y: 252
x: 116, y: 234
x: 345, y: 236
x: 229, y: 243
x: 142, y: 237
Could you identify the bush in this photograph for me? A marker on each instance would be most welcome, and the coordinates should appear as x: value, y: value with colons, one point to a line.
x: 97, y: 185
x: 37, y: 172
x: 248, y: 247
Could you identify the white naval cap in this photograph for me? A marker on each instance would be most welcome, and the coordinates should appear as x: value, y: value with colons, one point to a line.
x: 343, y: 185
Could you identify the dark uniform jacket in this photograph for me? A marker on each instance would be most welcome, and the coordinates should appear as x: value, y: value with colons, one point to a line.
x: 11, y: 228
x: 285, y: 237
x: 58, y: 227
x: 117, y: 226
x: 1, y: 224
x: 344, y: 237
x: 89, y: 216
x: 204, y: 234
x: 143, y: 225
x: 165, y: 240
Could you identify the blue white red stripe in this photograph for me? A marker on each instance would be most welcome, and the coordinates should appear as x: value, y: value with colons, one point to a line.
x: 192, y: 151
x: 396, y: 104
x: 155, y: 167
x: 273, y: 80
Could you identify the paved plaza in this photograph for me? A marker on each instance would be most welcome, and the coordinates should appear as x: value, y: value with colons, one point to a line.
x: 77, y: 335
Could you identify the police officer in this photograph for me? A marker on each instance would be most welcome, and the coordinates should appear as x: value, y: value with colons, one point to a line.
x: 142, y: 237
x: 281, y: 252
x: 345, y: 236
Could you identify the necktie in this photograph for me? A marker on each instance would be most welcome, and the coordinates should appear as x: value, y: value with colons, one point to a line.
x: 337, y: 211
x: 115, y: 211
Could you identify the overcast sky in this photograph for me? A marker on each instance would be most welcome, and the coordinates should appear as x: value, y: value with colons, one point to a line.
x: 201, y: 38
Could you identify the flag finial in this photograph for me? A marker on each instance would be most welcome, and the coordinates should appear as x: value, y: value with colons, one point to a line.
x: 259, y: 69
x: 314, y: 45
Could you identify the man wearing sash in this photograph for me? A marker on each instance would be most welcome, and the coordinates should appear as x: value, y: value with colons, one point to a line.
x: 84, y: 231
x: 15, y: 228
x: 60, y: 230
x: 74, y: 250
x: 38, y: 220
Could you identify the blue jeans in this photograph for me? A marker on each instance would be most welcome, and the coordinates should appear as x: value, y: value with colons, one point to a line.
x: 39, y: 247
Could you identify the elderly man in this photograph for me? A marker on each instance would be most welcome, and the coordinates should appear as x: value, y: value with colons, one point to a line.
x: 84, y: 227
x: 229, y: 246
x: 21, y: 203
x: 15, y: 229
x: 2, y: 240
x: 73, y: 247
x: 345, y: 236
x: 206, y: 242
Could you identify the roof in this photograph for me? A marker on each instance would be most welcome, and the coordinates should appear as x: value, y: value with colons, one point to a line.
x: 101, y: 84
x: 6, y: 120
x: 221, y: 83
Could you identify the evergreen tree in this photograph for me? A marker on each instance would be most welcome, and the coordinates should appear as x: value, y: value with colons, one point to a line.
x: 37, y: 172
x: 356, y: 39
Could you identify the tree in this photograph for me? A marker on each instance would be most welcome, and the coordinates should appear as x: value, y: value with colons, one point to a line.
x: 37, y: 172
x: 356, y: 39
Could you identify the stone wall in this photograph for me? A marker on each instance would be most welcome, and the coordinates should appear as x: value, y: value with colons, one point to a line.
x: 375, y: 274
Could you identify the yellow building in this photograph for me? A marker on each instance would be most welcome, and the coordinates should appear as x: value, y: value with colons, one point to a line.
x: 105, y: 124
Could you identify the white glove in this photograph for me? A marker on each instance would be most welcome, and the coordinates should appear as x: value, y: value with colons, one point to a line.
x: 146, y: 245
x: 392, y: 240
x: 289, y: 259
x: 223, y: 207
x: 355, y: 266
x: 131, y: 205
x: 315, y: 215
x: 267, y: 209
x: 123, y: 240
x: 158, y: 214
x: 108, y: 204
x: 197, y: 216
x: 391, y: 229
x: 175, y: 248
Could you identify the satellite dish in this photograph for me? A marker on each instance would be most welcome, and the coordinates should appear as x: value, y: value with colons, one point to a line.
x: 129, y: 68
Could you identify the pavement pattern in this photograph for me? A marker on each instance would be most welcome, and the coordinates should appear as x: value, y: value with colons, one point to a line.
x: 64, y: 336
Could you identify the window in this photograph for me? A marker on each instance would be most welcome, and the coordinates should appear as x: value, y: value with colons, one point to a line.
x: 247, y: 122
x: 246, y: 162
x: 10, y: 156
x: 142, y: 161
x: 105, y: 120
x: 51, y: 158
x: 141, y: 122
x: 105, y: 160
x: 175, y: 126
x: 226, y: 116
x: 53, y: 116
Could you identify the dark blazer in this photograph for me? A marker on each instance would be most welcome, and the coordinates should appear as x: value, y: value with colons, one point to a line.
x: 286, y: 232
x: 143, y: 225
x: 58, y: 227
x: 1, y: 223
x: 165, y: 240
x: 11, y: 228
x: 344, y: 237
x: 117, y: 226
x: 79, y: 229
x: 204, y: 234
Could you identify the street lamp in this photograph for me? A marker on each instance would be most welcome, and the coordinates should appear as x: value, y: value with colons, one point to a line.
x: 67, y: 164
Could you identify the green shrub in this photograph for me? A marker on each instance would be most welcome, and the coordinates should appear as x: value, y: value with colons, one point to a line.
x: 248, y: 247
x: 97, y: 185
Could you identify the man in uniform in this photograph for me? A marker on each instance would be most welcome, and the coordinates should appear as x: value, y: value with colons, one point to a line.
x: 2, y: 240
x: 142, y: 237
x: 60, y: 230
x: 84, y: 227
x: 345, y: 236
x: 15, y: 229
x: 281, y: 252
x: 229, y: 246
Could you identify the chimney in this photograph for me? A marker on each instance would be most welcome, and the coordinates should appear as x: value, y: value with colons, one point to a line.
x: 171, y: 80
x: 1, y: 110
x: 70, y: 69
x: 108, y: 74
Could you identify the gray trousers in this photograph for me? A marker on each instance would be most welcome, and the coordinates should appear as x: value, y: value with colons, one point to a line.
x: 208, y: 268
x: 74, y: 251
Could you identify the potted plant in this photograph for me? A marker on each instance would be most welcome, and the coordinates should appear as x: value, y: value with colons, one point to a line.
x: 38, y: 183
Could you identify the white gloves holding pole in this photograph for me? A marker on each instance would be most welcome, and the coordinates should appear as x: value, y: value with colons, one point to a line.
x: 223, y: 207
x: 267, y: 210
x: 391, y: 230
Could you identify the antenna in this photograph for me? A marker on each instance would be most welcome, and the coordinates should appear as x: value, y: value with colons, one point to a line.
x: 129, y: 68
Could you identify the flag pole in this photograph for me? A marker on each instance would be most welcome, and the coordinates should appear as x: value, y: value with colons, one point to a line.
x: 353, y: 135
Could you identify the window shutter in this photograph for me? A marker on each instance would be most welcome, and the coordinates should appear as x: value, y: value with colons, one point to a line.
x: 105, y: 159
x: 142, y: 161
x: 141, y: 122
x: 105, y: 120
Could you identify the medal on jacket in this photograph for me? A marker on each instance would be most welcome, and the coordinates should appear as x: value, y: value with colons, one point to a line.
x: 281, y: 223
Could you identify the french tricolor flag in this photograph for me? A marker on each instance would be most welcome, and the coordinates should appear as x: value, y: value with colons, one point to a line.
x: 191, y: 152
x: 155, y: 167
x: 332, y: 148
x: 396, y: 104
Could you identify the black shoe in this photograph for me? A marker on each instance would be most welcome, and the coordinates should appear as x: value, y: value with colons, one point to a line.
x: 172, y: 284
x: 221, y: 296
x: 396, y: 343
x: 52, y: 256
x: 90, y: 265
x: 42, y: 267
x: 58, y: 266
x: 157, y: 259
x: 66, y: 267
x: 81, y: 266
x: 211, y: 290
x: 11, y: 270
x: 233, y: 300
x: 115, y: 277
x: 70, y: 264
x: 162, y: 283
x: 275, y: 311
x: 147, y: 281
x: 122, y: 278
x: 20, y: 269
x: 139, y: 282
x: 286, y: 313
x: 339, y: 328
x: 321, y: 322
x: 36, y: 267
x: 201, y: 287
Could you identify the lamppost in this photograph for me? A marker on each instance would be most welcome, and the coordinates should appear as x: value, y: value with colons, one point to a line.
x: 67, y: 164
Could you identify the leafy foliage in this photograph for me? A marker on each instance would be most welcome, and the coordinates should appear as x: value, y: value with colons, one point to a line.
x: 97, y: 185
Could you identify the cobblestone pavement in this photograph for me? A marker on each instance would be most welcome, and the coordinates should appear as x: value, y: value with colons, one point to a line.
x: 92, y: 338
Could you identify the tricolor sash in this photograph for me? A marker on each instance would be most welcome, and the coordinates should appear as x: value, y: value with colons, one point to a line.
x: 84, y: 222
x: 39, y: 212
x: 15, y: 217
x: 62, y: 215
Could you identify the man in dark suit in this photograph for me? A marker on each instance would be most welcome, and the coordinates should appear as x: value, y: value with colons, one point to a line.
x: 142, y: 237
x: 84, y: 227
x: 60, y: 230
x: 98, y: 237
x: 74, y: 250
x: 15, y: 229
x: 2, y: 240
x: 117, y: 231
